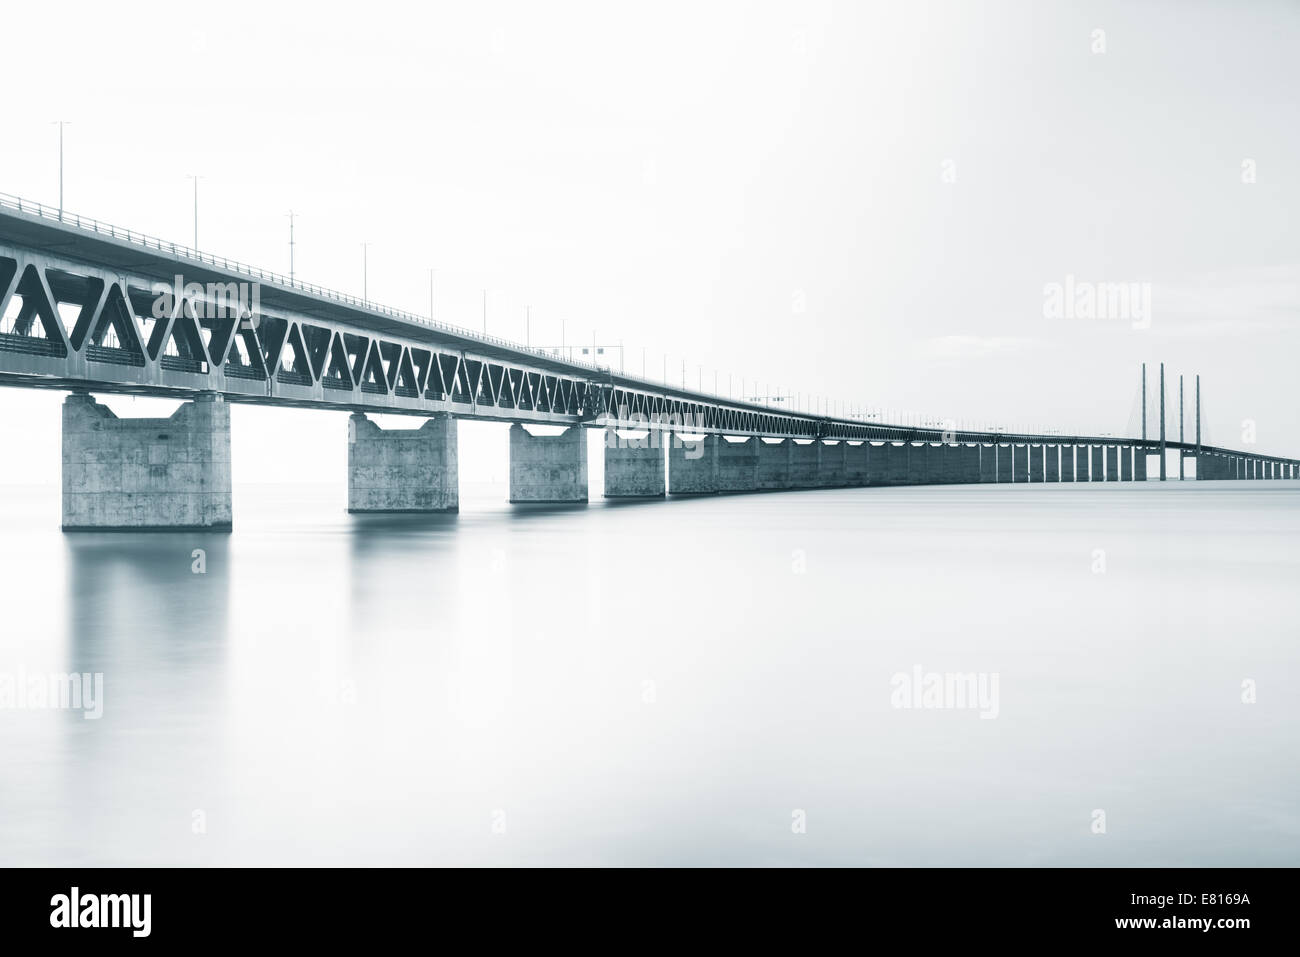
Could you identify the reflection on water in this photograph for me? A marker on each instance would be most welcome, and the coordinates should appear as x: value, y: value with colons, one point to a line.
x: 662, y: 682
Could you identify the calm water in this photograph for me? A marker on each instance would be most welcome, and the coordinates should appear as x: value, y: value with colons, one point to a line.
x: 664, y: 683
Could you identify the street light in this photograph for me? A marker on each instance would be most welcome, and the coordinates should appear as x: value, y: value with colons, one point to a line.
x: 196, y: 178
x: 291, y: 218
x: 61, y: 124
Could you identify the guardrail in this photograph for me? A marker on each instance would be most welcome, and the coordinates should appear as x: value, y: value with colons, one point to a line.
x: 99, y: 227
x: 45, y: 211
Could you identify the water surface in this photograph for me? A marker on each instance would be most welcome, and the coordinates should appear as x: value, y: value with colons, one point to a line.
x: 670, y: 682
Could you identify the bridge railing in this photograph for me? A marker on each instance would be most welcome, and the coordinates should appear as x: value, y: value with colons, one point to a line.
x: 45, y: 211
x: 181, y: 251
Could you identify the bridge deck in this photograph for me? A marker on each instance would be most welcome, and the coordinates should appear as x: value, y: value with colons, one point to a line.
x: 79, y: 310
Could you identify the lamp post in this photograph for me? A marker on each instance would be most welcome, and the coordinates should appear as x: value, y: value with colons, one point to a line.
x: 61, y: 124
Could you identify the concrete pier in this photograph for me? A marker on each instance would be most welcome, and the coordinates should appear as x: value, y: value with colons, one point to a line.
x: 988, y: 463
x: 920, y: 463
x: 774, y: 464
x: 1003, y: 453
x: 805, y: 464
x: 634, y: 465
x: 403, y: 470
x: 548, y: 468
x: 1112, y: 463
x: 692, y: 466
x: 834, y: 467
x: 1095, y: 472
x: 1052, y: 463
x: 1067, y: 463
x: 169, y: 473
x: 1035, y: 463
x: 1139, y: 464
x: 1125, y: 463
x: 896, y: 462
x: 1020, y: 463
x: 737, y: 468
x: 856, y: 468
x: 961, y: 464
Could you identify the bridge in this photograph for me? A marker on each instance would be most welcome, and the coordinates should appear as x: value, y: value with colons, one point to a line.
x: 88, y: 307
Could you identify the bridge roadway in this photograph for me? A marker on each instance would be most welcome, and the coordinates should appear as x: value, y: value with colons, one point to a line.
x: 88, y: 307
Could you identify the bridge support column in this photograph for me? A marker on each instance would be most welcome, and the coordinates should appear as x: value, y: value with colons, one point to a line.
x: 1111, y: 453
x: 896, y: 458
x: 146, y: 473
x: 774, y: 464
x: 805, y: 465
x: 1019, y: 463
x: 877, y: 463
x: 1067, y: 463
x: 1125, y: 463
x: 920, y: 463
x: 548, y: 468
x: 988, y: 459
x: 738, y: 464
x: 834, y: 465
x: 856, y: 465
x: 1052, y: 463
x: 692, y: 466
x: 403, y: 470
x: 1036, y: 463
x: 1003, y: 453
x: 634, y: 467
x: 1095, y: 464
x: 961, y: 463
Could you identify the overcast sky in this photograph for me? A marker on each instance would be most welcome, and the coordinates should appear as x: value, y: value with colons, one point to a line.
x: 852, y: 200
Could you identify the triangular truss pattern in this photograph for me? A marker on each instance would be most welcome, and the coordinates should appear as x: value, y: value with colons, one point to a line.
x: 8, y: 270
x: 422, y: 362
x: 407, y: 382
x: 372, y: 375
x: 476, y: 387
x: 271, y: 330
x: 76, y: 300
x: 245, y: 359
x: 184, y: 349
x: 151, y: 318
x: 390, y: 354
x: 295, y: 366
x: 112, y: 329
x: 358, y: 348
x: 453, y: 382
x: 318, y: 342
x: 496, y: 384
x: 50, y: 307
x: 337, y: 375
x: 29, y: 306
x: 219, y: 330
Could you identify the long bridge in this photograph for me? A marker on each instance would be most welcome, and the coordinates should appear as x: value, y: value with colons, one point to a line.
x: 88, y: 307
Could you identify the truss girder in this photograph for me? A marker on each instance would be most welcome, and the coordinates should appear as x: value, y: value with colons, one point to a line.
x: 67, y: 324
